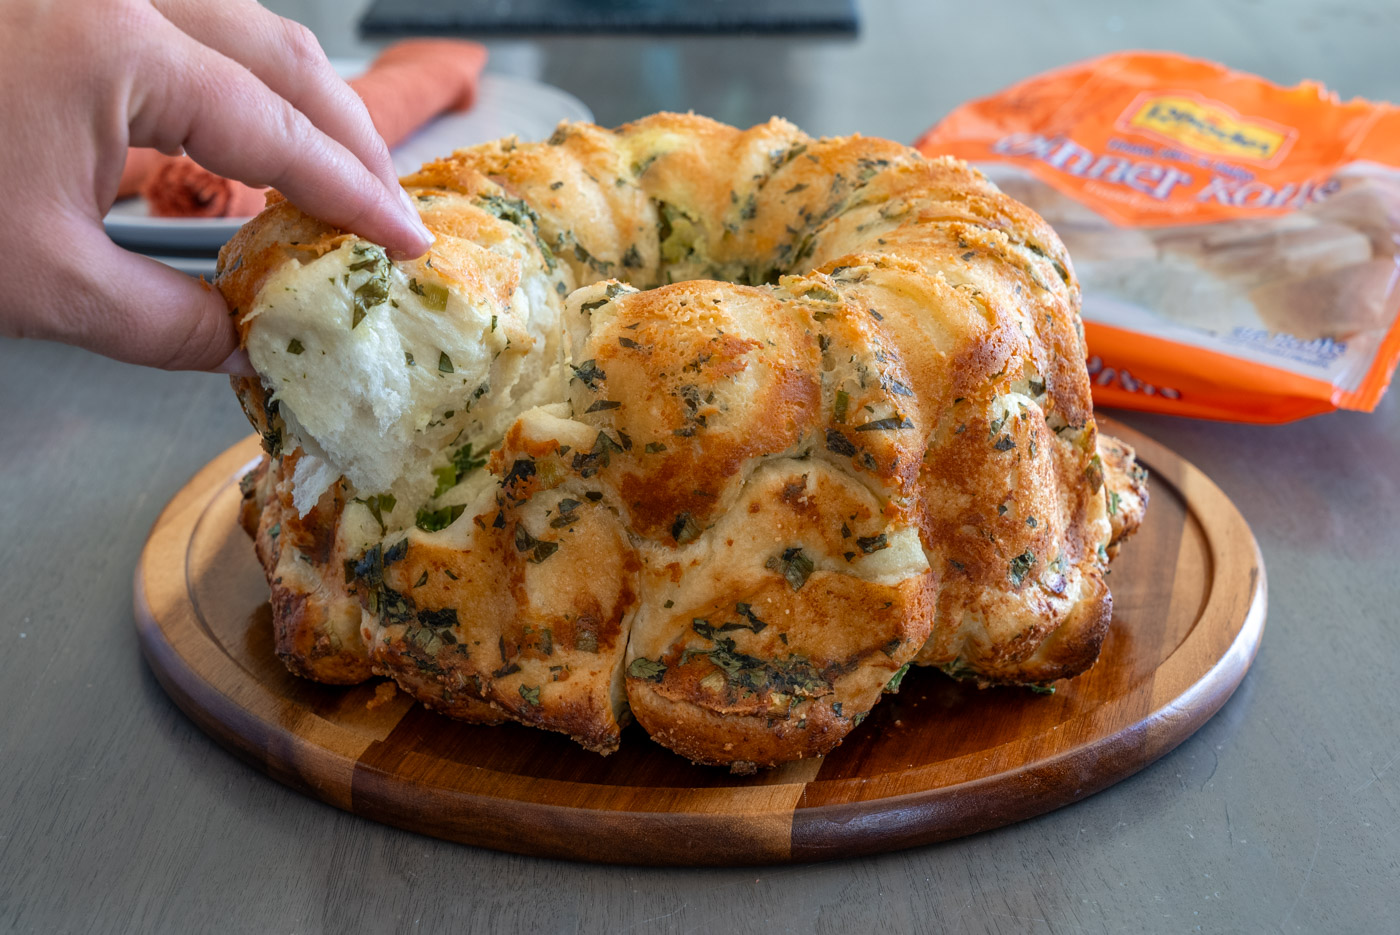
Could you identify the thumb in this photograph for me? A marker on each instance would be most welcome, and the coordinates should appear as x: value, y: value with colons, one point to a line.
x: 135, y: 309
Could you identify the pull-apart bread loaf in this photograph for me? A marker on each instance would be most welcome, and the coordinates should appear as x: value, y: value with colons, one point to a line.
x: 719, y: 430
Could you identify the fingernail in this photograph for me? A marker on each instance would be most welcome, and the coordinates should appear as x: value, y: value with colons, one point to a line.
x: 417, y: 219
x: 237, y: 364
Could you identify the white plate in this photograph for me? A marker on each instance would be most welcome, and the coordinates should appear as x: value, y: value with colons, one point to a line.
x: 504, y: 105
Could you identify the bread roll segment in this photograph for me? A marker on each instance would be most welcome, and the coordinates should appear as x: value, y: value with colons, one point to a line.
x: 712, y: 428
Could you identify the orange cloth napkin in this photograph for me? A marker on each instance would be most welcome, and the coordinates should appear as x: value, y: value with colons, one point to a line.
x: 410, y: 83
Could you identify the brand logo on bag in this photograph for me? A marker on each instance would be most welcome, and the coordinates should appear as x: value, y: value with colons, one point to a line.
x: 1207, y: 127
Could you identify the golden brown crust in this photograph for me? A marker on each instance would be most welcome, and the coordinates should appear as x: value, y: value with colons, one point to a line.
x: 315, y: 618
x: 1125, y: 483
x: 850, y: 428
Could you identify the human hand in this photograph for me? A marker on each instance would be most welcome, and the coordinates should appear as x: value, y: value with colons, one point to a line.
x: 245, y: 93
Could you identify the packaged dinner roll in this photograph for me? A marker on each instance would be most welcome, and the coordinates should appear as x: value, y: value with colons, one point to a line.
x: 1236, y: 242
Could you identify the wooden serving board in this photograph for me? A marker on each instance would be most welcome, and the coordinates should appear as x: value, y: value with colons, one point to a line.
x: 938, y: 760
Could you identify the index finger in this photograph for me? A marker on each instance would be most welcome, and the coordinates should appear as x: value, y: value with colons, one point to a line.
x: 231, y: 123
x: 286, y: 57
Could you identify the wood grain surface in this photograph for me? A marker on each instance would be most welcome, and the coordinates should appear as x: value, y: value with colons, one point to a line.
x: 939, y: 760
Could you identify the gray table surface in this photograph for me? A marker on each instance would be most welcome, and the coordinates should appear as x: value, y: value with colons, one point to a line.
x: 1281, y: 815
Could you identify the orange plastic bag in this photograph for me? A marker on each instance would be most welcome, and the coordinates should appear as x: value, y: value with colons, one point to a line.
x: 1236, y: 241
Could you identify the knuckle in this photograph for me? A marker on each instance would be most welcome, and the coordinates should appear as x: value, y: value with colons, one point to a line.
x: 198, y: 342
x: 300, y: 44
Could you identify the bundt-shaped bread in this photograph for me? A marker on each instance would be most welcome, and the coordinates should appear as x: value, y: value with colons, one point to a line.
x: 720, y: 430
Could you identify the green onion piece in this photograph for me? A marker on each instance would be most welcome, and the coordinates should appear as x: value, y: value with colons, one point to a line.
x: 434, y: 296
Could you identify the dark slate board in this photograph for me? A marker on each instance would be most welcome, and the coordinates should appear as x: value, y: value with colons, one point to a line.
x: 477, y: 18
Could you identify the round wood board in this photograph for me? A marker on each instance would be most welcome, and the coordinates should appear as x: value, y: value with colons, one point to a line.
x: 939, y: 760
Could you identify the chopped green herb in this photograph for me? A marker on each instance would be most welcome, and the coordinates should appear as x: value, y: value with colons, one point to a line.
x: 794, y: 675
x: 539, y: 549
x: 893, y: 684
x: 375, y: 289
x: 839, y: 444
x: 1004, y: 443
x: 604, y: 444
x: 685, y: 529
x: 589, y: 373
x: 843, y: 402
x: 517, y: 212
x: 792, y: 565
x: 655, y: 448
x: 897, y: 388
x: 1094, y: 473
x: 463, y: 462
x: 643, y: 668
x: 1021, y: 566
x: 444, y: 363
x: 746, y: 610
x: 603, y: 404
x: 781, y: 157
x: 886, y: 425
x: 437, y: 520
x: 446, y: 617
x: 378, y: 505
x: 294, y: 346
x: 750, y: 207
x: 677, y: 233
x: 1113, y: 503
x: 870, y: 544
x: 959, y: 670
x: 433, y: 294
x: 531, y: 695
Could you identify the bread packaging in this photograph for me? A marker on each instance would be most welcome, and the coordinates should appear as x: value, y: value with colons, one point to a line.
x: 1236, y: 241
